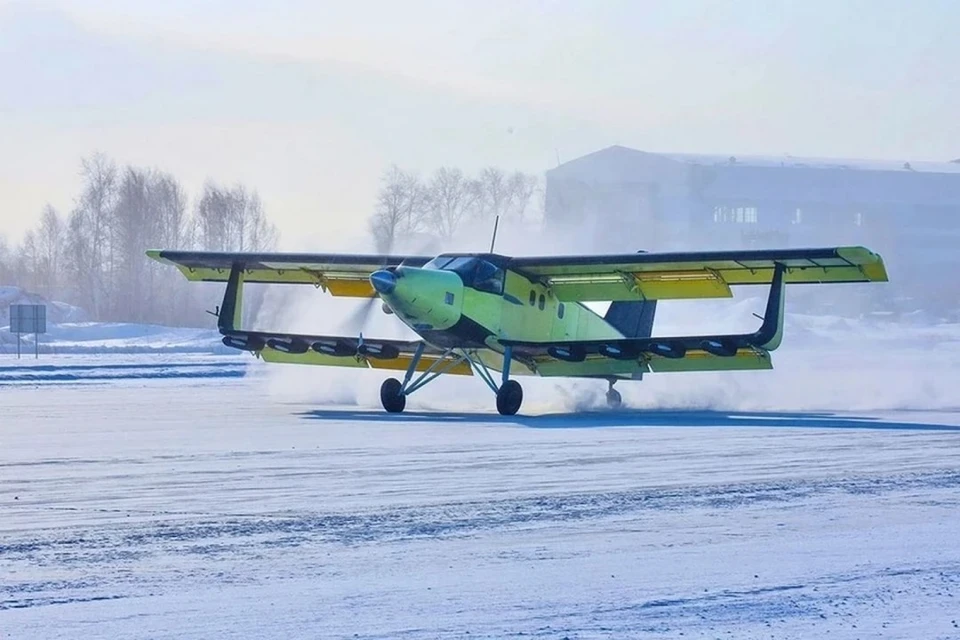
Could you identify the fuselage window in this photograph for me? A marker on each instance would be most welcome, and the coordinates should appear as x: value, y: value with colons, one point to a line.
x: 560, y: 310
x: 542, y: 302
x: 533, y: 297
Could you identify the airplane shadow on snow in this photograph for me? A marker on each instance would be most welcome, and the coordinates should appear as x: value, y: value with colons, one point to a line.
x: 637, y: 418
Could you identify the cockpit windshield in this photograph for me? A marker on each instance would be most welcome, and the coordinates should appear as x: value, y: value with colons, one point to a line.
x: 475, y: 272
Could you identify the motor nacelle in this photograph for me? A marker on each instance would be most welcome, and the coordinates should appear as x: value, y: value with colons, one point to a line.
x: 668, y: 349
x: 338, y: 348
x: 244, y: 343
x: 568, y: 353
x: 619, y: 352
x: 288, y: 345
x: 722, y: 348
x: 378, y: 351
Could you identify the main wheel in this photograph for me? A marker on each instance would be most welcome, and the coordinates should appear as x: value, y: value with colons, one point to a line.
x: 509, y: 398
x: 613, y: 399
x: 390, y: 397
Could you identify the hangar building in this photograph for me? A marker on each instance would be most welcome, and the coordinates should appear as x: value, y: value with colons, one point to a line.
x: 621, y: 199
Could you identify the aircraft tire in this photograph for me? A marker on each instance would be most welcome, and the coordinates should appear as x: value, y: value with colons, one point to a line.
x: 509, y: 398
x: 390, y: 397
x: 614, y: 400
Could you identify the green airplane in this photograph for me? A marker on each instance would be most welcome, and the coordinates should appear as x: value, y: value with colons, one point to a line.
x: 479, y: 313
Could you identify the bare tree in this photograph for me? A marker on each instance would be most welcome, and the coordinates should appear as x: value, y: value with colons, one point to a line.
x: 450, y: 198
x: 89, y: 252
x: 50, y: 243
x: 494, y: 193
x: 520, y: 187
x: 28, y: 263
x: 400, y: 210
x: 259, y: 233
x: 6, y: 261
x: 233, y: 220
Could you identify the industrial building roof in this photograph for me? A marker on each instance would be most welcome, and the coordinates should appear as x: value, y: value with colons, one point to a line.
x: 780, y: 178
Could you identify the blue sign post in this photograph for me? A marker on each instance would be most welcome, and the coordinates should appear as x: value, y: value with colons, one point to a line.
x: 28, y: 318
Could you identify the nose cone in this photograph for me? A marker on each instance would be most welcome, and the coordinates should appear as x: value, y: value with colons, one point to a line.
x: 383, y: 281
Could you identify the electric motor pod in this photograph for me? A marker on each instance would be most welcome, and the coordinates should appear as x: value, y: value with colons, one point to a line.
x: 338, y: 348
x: 668, y: 349
x: 245, y: 343
x: 571, y: 353
x: 379, y: 351
x: 288, y: 345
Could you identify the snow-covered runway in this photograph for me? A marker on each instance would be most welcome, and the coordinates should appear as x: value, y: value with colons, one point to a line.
x: 201, y: 507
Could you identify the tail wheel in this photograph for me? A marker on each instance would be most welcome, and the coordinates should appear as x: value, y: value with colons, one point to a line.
x: 613, y: 399
x: 509, y: 398
x: 390, y: 397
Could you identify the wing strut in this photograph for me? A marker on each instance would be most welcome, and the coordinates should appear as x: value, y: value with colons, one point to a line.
x: 231, y: 311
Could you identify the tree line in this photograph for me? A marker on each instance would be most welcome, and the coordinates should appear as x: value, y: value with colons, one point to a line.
x: 448, y: 202
x: 93, y: 257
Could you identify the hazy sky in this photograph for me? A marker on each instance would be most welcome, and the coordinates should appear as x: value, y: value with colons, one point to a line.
x: 309, y: 101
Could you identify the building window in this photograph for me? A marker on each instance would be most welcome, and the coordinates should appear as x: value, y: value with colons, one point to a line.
x: 738, y: 215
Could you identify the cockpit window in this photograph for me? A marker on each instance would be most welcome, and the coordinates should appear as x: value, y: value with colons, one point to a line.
x: 477, y: 273
x: 462, y: 265
x: 438, y: 263
x: 489, y: 277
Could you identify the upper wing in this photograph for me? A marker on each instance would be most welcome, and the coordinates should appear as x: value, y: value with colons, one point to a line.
x: 651, y: 276
x: 619, y: 356
x: 340, y: 274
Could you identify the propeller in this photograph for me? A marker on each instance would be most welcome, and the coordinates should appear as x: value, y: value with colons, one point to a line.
x: 357, y: 321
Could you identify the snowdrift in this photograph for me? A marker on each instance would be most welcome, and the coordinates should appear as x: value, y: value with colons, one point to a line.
x: 118, y: 337
x: 56, y: 311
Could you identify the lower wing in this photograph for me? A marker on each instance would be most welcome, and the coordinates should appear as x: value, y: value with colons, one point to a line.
x: 339, y: 351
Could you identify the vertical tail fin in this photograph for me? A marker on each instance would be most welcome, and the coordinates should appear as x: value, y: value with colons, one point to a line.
x: 632, y: 319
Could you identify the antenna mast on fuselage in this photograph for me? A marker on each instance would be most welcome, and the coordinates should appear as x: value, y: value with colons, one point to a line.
x: 493, y: 240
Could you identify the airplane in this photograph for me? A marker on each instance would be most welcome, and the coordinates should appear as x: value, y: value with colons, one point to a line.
x: 480, y: 313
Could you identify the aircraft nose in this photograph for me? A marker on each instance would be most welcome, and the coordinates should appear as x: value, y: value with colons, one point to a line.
x: 383, y: 281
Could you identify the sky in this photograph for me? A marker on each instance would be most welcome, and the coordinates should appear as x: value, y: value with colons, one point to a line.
x: 308, y: 102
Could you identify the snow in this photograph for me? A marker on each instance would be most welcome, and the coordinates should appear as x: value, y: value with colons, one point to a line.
x: 195, y: 495
x: 56, y: 311
x: 117, y: 337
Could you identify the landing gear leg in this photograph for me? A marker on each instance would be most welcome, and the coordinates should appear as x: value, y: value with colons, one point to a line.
x: 393, y: 393
x: 614, y: 401
x: 510, y: 393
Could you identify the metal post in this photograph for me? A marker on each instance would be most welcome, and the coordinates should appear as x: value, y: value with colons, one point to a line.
x: 36, y: 346
x: 18, y: 345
